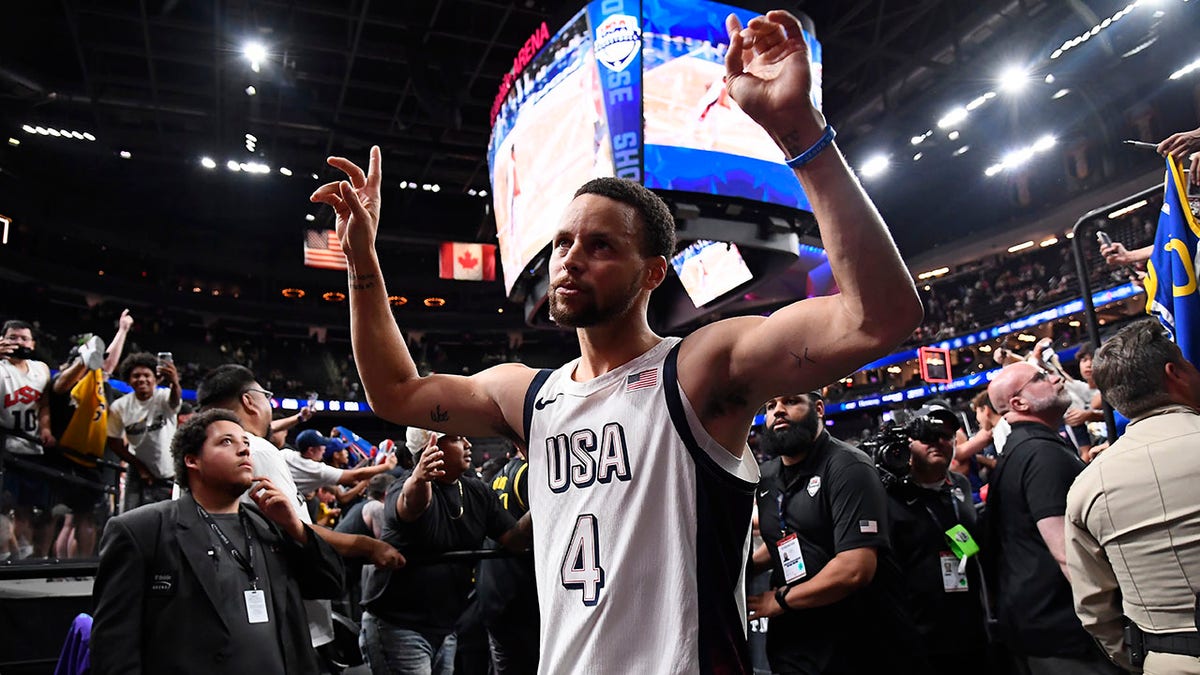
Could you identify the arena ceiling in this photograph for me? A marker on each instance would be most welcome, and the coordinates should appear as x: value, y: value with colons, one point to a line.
x: 167, y: 82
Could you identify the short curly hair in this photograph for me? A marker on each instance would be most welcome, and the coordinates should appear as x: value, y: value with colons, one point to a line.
x: 658, y: 225
x: 138, y: 360
x: 189, y: 439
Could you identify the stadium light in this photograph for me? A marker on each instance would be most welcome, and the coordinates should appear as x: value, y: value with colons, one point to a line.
x: 952, y: 118
x: 1128, y: 209
x: 1185, y: 70
x: 125, y: 154
x: 1020, y: 247
x: 285, y: 171
x: 1059, y: 94
x: 208, y: 163
x: 1013, y: 79
x: 255, y: 53
x: 874, y: 166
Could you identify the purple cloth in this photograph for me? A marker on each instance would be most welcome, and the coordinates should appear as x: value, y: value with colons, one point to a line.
x: 75, y: 658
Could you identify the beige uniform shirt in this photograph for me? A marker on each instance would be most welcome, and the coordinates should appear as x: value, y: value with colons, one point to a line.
x: 1133, y: 530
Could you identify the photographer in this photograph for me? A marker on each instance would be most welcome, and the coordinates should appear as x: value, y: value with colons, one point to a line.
x: 823, y: 516
x: 933, y: 528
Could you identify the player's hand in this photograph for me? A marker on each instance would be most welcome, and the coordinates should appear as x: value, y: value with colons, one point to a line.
x: 125, y: 322
x: 762, y: 606
x: 384, y: 555
x: 431, y: 466
x: 276, y: 506
x: 768, y: 71
x: 356, y: 202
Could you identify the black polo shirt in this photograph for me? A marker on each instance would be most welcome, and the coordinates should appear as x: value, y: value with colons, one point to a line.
x: 430, y: 597
x: 1034, y: 604
x: 834, y: 502
x: 949, y: 622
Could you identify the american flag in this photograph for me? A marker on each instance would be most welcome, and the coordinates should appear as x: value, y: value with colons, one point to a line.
x: 642, y: 380
x: 323, y: 249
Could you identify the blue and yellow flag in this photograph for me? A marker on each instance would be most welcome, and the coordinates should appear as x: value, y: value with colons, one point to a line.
x: 1171, y: 293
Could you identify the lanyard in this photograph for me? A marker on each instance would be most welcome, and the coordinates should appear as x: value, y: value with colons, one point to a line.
x: 246, y: 565
x: 953, y: 504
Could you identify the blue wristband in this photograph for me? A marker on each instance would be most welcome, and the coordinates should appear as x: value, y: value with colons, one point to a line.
x: 808, y: 155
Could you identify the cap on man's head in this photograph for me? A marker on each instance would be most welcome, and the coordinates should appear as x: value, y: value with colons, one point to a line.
x: 417, y: 439
x: 937, y: 410
x: 311, y: 438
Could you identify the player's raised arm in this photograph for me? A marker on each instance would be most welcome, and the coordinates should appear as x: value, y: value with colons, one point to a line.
x: 485, y: 404
x: 812, y: 342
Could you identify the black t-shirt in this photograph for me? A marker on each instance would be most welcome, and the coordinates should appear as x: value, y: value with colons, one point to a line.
x: 948, y: 621
x: 834, y: 502
x: 352, y: 522
x: 255, y: 646
x: 430, y: 597
x: 1034, y: 604
x: 506, y: 592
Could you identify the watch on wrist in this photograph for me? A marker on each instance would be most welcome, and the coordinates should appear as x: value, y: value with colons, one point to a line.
x: 781, y: 598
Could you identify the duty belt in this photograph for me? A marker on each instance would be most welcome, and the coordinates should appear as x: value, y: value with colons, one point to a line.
x: 1187, y: 644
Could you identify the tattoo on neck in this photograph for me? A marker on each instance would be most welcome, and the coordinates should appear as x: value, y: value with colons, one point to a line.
x: 802, y: 359
x: 439, y: 415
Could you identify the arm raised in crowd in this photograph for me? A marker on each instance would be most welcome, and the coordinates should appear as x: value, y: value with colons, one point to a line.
x: 485, y: 404
x: 417, y: 491
x: 729, y: 367
x: 113, y: 356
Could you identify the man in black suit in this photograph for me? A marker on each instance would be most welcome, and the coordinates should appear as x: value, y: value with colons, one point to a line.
x: 203, y: 585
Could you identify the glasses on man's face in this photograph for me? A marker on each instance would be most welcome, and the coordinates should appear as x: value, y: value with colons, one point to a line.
x: 1039, y: 376
x: 264, y: 392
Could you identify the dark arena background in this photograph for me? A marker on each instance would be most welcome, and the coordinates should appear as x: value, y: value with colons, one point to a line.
x: 157, y: 156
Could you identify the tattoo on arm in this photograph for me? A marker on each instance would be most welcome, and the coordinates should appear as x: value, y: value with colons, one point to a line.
x: 802, y: 359
x: 363, y: 282
x: 439, y: 415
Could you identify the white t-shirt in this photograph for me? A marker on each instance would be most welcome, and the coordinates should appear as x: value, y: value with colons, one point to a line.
x: 308, y: 474
x: 21, y: 391
x: 148, y: 427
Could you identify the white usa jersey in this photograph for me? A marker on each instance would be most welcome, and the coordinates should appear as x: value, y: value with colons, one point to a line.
x: 21, y: 391
x: 641, y: 524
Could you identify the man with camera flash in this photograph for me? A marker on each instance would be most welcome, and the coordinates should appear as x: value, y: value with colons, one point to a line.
x: 822, y: 512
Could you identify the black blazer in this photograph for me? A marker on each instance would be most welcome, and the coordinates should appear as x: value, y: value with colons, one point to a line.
x: 154, y: 611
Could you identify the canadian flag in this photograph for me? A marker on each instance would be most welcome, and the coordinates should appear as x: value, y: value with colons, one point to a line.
x: 467, y: 262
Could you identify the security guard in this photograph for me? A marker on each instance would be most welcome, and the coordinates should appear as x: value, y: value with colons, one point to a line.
x: 933, y: 527
x: 1132, y: 515
x: 822, y: 512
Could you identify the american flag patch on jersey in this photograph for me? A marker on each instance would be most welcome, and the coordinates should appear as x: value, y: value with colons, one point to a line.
x: 868, y: 527
x: 642, y: 380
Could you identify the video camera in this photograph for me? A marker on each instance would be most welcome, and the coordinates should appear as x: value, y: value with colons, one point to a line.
x: 889, y: 451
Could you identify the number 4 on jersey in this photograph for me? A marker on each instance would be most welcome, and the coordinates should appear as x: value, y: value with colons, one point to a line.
x: 581, y: 565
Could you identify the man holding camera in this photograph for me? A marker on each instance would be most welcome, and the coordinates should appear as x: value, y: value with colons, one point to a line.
x: 141, y: 426
x: 822, y: 512
x: 1026, y: 504
x: 933, y: 526
x: 1132, y: 514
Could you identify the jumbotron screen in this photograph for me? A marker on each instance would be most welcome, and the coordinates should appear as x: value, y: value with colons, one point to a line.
x: 630, y: 89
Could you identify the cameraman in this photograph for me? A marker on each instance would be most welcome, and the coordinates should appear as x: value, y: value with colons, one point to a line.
x: 927, y: 504
x: 823, y: 516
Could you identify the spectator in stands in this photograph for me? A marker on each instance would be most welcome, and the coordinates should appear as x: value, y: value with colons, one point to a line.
x: 235, y: 604
x: 985, y: 446
x: 234, y: 388
x: 408, y: 625
x: 941, y: 588
x: 186, y: 410
x: 311, y: 473
x: 1132, y: 514
x: 285, y: 424
x: 1090, y: 408
x: 1027, y: 499
x: 366, y: 518
x: 822, y: 512
x: 141, y: 425
x: 25, y: 427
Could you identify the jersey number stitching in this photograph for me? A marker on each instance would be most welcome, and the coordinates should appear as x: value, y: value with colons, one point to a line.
x: 581, y: 564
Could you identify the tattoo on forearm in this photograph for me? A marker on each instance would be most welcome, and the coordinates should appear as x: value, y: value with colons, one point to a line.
x: 439, y: 415
x: 802, y: 359
x: 364, y: 281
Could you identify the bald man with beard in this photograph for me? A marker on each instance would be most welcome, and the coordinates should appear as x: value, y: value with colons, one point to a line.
x: 1027, y: 502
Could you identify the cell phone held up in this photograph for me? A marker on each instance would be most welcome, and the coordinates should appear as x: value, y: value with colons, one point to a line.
x: 164, y: 358
x: 1103, y: 238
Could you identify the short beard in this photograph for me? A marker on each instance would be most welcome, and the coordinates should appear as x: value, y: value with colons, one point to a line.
x: 592, y: 314
x: 1057, y: 404
x: 797, y: 438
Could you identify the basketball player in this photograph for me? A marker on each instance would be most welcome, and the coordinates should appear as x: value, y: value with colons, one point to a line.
x: 640, y: 482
